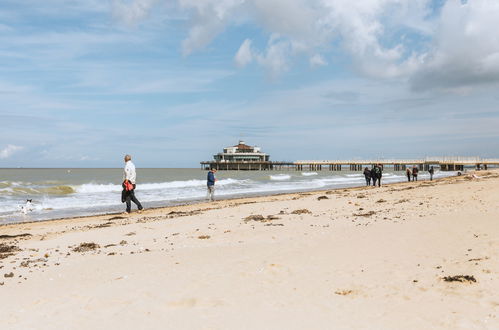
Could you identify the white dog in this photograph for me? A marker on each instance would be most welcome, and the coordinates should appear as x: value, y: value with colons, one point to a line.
x: 28, y: 207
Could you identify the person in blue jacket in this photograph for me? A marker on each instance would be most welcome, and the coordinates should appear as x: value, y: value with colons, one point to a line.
x: 211, y: 184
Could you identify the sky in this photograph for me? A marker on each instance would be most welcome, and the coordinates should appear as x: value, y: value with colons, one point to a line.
x: 172, y: 82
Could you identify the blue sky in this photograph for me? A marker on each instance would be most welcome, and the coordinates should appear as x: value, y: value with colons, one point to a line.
x: 83, y: 82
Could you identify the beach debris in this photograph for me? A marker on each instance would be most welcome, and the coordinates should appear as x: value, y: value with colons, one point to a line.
x: 14, y: 236
x: 103, y: 225
x: 26, y: 263
x: 174, y: 214
x: 367, y: 214
x: 116, y: 218
x: 460, y: 278
x: 402, y: 201
x: 204, y: 237
x: 123, y: 242
x: 274, y: 224
x: 478, y: 259
x: 84, y: 247
x: 6, y: 275
x: 260, y: 218
x: 361, y: 196
x: 4, y: 248
x: 343, y: 292
x: 254, y: 217
x: 301, y: 211
x: 322, y: 197
x: 130, y: 233
x: 381, y: 201
x: 7, y: 250
x: 111, y: 253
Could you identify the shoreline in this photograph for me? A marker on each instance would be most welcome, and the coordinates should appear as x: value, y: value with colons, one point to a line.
x: 202, y: 202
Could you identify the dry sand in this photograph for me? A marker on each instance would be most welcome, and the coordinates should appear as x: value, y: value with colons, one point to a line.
x: 364, y: 258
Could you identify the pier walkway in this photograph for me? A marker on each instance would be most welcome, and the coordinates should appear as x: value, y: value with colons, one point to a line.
x: 444, y: 163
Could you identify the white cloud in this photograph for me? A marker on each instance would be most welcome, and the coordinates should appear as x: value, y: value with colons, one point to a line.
x: 465, y: 49
x: 9, y: 150
x: 308, y: 27
x: 132, y: 12
x: 448, y: 48
x: 317, y: 60
x: 275, y: 59
x: 244, y: 56
x: 208, y: 19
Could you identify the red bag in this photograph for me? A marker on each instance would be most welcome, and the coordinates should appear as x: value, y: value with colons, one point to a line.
x: 128, y: 185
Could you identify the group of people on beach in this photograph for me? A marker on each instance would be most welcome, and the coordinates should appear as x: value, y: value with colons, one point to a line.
x: 374, y: 174
x: 414, y: 173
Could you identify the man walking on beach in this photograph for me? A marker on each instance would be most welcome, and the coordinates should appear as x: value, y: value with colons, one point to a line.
x: 211, y: 184
x: 128, y: 193
x: 431, y: 171
x: 377, y: 174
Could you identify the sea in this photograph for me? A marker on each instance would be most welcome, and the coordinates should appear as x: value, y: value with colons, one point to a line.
x: 71, y: 192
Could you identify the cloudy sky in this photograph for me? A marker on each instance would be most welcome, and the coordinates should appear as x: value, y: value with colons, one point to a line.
x: 173, y: 81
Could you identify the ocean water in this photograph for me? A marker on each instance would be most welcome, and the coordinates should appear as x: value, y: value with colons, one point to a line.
x: 58, y: 193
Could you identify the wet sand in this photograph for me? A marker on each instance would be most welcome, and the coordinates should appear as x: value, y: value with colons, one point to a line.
x: 404, y: 256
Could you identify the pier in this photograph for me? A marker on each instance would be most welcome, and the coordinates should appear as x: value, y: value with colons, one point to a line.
x: 444, y: 163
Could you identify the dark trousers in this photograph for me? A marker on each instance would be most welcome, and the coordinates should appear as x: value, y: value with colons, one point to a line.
x: 379, y: 181
x: 368, y: 180
x: 414, y: 177
x: 374, y: 180
x: 128, y: 197
x: 409, y: 177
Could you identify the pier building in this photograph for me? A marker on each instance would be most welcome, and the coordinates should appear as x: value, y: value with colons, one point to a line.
x: 240, y: 157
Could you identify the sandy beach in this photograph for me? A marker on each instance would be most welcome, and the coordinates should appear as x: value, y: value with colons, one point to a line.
x: 418, y: 255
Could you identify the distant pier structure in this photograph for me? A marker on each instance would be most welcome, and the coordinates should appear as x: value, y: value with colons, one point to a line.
x: 243, y: 157
x: 240, y: 157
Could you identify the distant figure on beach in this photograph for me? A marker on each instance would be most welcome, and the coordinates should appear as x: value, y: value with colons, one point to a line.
x: 28, y: 207
x: 367, y: 175
x: 211, y: 184
x: 128, y: 193
x: 431, y: 171
x: 408, y: 173
x: 377, y: 172
x: 415, y: 171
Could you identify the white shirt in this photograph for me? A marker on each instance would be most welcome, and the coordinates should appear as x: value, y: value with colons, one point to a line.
x: 129, y: 172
